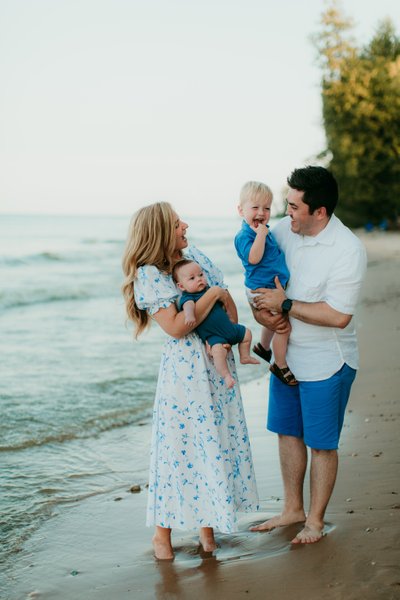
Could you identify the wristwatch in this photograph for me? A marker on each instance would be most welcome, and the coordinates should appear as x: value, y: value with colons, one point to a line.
x: 286, y: 306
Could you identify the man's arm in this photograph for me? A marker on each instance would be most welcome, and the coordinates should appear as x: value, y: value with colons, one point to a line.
x: 319, y: 313
x: 314, y: 313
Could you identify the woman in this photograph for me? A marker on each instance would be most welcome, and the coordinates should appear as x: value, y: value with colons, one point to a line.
x: 201, y: 470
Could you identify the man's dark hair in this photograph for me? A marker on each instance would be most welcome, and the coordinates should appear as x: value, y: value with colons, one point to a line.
x: 319, y: 186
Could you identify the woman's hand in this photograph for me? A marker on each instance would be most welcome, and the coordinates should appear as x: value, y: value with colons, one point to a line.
x: 220, y: 293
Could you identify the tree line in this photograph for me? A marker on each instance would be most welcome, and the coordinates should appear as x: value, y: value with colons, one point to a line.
x: 360, y: 89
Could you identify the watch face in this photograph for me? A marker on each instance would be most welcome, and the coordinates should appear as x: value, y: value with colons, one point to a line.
x: 286, y: 305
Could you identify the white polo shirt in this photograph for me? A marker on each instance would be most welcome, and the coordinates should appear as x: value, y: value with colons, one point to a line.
x: 330, y: 268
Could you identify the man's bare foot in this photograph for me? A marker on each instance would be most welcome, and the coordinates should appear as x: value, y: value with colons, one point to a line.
x: 308, y: 535
x: 162, y: 549
x: 229, y: 381
x: 249, y: 360
x: 207, y: 539
x: 280, y: 521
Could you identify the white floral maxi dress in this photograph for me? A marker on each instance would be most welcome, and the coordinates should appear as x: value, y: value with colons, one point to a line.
x: 201, y: 468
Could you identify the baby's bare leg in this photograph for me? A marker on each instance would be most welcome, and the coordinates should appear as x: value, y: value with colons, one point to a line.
x: 219, y: 354
x: 244, y: 350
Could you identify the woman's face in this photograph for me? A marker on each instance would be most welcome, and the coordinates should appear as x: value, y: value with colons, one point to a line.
x: 180, y: 231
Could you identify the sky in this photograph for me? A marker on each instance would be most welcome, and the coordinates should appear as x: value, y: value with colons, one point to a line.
x: 108, y: 105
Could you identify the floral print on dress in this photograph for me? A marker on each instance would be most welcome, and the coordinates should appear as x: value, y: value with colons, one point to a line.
x: 201, y: 469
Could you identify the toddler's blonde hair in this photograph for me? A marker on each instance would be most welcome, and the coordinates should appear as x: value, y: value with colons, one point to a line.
x: 252, y: 189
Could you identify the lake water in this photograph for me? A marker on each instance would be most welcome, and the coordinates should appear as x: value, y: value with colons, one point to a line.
x: 73, y: 380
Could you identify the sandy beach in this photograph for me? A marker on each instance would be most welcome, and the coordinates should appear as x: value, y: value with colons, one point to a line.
x: 100, y: 548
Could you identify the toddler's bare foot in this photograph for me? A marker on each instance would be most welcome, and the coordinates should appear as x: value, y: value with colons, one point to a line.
x: 162, y: 549
x: 207, y: 539
x: 280, y: 521
x: 229, y: 381
x: 249, y: 360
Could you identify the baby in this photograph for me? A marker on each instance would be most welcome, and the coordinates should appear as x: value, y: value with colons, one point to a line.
x: 217, y: 328
x: 262, y: 260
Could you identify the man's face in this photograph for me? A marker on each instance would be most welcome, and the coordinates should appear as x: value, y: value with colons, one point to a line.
x: 301, y: 220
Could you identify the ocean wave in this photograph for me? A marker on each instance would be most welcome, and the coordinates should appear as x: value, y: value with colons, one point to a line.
x: 87, y: 429
x: 67, y: 256
x: 15, y: 261
x: 18, y: 300
x: 94, y: 241
x: 117, y: 383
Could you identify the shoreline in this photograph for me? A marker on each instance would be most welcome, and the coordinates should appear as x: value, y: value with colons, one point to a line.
x: 101, y: 548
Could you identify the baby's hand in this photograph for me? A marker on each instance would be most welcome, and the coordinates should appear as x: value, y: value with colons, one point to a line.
x: 191, y: 321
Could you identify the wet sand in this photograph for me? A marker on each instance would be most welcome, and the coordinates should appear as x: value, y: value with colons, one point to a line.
x: 101, y: 549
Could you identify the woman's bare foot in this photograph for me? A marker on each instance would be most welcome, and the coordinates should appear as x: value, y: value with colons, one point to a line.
x: 309, y: 535
x: 207, y: 539
x: 280, y: 521
x: 162, y: 544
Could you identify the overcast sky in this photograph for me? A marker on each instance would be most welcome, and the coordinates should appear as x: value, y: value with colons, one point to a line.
x: 107, y: 105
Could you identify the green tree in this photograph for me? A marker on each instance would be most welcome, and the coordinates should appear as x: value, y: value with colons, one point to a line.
x: 361, y: 114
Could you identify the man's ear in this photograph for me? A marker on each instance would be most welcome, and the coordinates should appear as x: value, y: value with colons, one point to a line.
x: 321, y: 211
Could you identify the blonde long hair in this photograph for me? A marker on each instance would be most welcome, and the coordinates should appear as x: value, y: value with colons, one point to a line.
x: 151, y: 241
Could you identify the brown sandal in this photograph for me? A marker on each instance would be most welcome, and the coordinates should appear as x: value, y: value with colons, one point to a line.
x: 285, y: 374
x: 262, y: 352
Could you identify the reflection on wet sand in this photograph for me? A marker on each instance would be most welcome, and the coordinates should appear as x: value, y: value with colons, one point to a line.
x: 192, y: 563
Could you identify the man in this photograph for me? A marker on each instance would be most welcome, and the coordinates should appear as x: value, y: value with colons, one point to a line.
x: 327, y: 264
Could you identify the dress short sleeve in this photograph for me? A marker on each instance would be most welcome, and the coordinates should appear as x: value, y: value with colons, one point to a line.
x: 213, y: 273
x: 153, y: 289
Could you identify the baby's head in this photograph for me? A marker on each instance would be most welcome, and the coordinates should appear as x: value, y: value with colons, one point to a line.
x: 255, y: 203
x: 189, y: 276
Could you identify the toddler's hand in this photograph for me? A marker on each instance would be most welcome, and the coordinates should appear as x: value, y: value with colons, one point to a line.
x: 260, y: 229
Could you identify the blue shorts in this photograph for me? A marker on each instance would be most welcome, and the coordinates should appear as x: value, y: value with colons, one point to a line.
x: 312, y: 410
